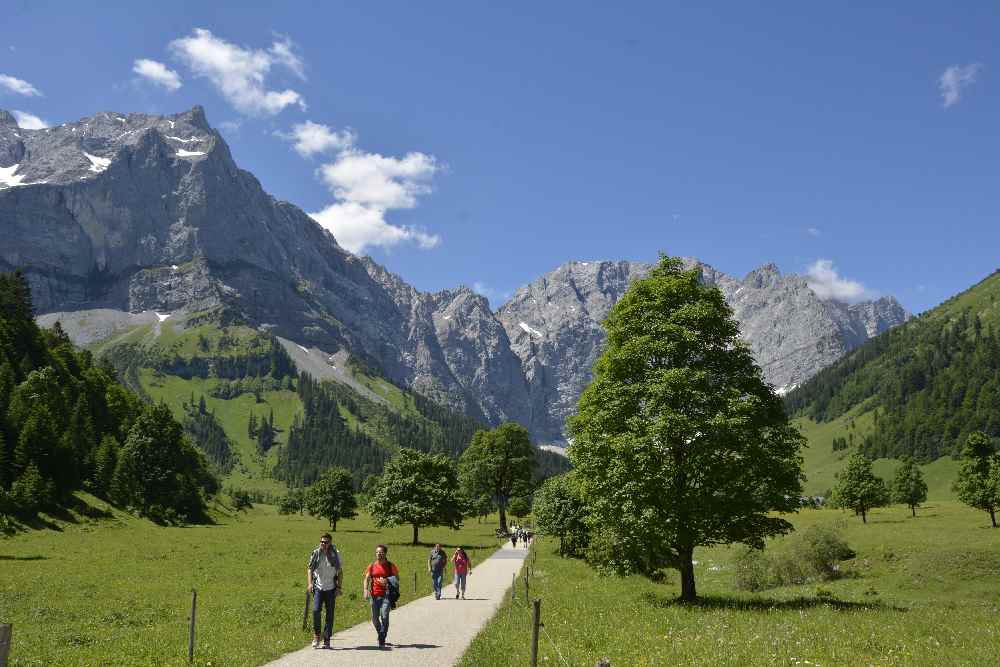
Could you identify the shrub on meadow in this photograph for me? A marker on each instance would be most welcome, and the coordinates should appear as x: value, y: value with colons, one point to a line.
x: 814, y: 554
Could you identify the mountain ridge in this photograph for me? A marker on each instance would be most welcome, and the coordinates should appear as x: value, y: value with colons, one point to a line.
x: 140, y: 212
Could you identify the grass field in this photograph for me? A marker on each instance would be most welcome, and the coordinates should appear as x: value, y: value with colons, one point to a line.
x: 118, y: 591
x: 821, y: 463
x: 920, y: 592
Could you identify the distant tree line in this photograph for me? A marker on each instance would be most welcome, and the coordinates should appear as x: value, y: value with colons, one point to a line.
x: 931, y: 382
x: 206, y: 431
x: 66, y: 424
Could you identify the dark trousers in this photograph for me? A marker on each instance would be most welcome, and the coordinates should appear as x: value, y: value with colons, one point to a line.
x: 321, y: 599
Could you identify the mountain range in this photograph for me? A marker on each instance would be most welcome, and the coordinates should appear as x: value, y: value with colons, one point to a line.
x: 117, y: 214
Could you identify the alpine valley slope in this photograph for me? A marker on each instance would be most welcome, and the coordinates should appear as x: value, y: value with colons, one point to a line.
x: 135, y: 213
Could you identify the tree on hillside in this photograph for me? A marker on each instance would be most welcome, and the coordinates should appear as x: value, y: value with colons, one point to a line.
x: 559, y: 510
x: 908, y: 486
x: 858, y: 488
x: 679, y: 441
x: 159, y: 473
x: 332, y: 496
x: 417, y: 489
x: 499, y: 463
x: 978, y: 483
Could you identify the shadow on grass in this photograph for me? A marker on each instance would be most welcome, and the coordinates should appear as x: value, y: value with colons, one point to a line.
x: 764, y: 604
x: 430, y: 545
x: 3, y: 557
x: 356, y: 530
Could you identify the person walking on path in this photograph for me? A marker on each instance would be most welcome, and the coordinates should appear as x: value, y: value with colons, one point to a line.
x: 436, y: 564
x: 463, y: 568
x: 376, y: 589
x: 323, y: 578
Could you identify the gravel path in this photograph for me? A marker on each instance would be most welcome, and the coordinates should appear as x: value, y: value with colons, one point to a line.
x: 426, y: 631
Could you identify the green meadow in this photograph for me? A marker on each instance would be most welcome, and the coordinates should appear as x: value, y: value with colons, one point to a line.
x: 923, y: 591
x: 117, y: 591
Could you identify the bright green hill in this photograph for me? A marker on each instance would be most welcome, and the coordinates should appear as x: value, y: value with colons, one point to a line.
x: 216, y: 377
x: 917, y: 390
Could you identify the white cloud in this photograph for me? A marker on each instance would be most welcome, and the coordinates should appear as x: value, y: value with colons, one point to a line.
x: 157, y: 73
x: 814, y: 231
x: 283, y: 53
x: 231, y: 126
x: 378, y: 181
x: 955, y: 79
x: 311, y: 138
x: 29, y: 121
x: 368, y: 186
x: 356, y: 227
x: 239, y: 73
x: 18, y: 86
x: 824, y: 280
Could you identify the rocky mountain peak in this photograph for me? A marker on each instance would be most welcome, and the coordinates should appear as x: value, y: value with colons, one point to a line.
x: 767, y: 275
x: 7, y: 118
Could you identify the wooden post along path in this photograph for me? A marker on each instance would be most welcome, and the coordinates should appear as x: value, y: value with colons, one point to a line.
x: 536, y: 621
x: 6, y: 632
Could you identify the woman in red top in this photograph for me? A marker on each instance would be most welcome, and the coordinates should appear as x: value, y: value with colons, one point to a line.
x: 376, y: 589
x: 463, y: 567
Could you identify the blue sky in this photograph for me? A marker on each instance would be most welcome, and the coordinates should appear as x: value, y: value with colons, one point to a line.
x: 478, y: 144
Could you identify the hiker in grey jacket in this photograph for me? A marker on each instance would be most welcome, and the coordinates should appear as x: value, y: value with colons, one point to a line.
x: 323, y: 578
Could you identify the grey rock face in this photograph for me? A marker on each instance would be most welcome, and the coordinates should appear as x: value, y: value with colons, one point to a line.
x: 150, y: 213
x: 554, y: 328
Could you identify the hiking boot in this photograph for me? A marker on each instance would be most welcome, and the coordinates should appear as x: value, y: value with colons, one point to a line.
x: 315, y: 643
x: 326, y: 643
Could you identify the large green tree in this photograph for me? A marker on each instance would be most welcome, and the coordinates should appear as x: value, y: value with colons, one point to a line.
x: 679, y: 442
x: 978, y: 483
x: 158, y: 471
x: 332, y: 496
x: 908, y: 486
x: 858, y: 488
x: 499, y: 463
x: 417, y: 489
x: 558, y: 509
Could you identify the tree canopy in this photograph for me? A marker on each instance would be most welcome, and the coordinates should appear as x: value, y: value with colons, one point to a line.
x: 332, y: 496
x: 978, y: 483
x: 908, y: 485
x: 417, y: 489
x: 499, y: 463
x: 558, y: 509
x: 858, y: 488
x: 679, y: 442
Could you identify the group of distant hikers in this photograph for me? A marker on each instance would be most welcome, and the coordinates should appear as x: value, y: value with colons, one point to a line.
x: 519, y: 534
x: 325, y: 576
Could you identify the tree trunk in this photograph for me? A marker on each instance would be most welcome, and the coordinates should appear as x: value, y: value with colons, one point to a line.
x: 864, y: 518
x: 503, y: 516
x: 688, y: 592
x: 913, y: 508
x: 334, y: 524
x: 414, y: 534
x: 561, y: 552
x: 993, y: 517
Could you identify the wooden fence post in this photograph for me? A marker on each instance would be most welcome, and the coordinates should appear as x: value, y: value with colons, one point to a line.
x: 513, y: 586
x: 536, y: 621
x: 6, y: 635
x: 305, y: 611
x: 526, y: 586
x: 194, y: 609
x: 414, y: 582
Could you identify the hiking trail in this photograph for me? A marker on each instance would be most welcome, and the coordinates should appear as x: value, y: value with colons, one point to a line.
x: 425, y: 631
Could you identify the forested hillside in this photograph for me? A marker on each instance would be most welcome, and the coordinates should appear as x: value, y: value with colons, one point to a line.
x: 927, y: 383
x: 66, y: 424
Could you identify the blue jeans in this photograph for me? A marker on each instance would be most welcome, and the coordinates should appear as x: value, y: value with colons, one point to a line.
x: 380, y: 616
x: 460, y: 583
x: 321, y: 599
x: 436, y: 578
